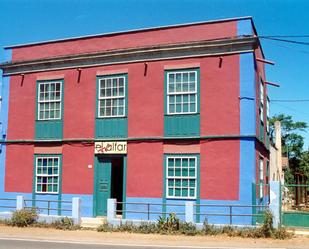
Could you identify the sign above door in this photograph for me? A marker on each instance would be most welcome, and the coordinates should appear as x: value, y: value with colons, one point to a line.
x: 111, y: 147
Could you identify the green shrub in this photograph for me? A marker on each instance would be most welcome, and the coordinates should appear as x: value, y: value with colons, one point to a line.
x: 172, y: 225
x: 146, y: 227
x: 65, y: 223
x: 282, y: 233
x: 126, y: 227
x: 188, y: 228
x: 209, y: 229
x: 267, y: 227
x: 24, y: 217
x: 169, y: 224
x: 105, y: 228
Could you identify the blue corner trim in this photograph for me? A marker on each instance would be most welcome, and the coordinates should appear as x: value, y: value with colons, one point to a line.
x: 244, y: 27
x: 247, y: 169
x: 4, y: 108
x: 247, y: 94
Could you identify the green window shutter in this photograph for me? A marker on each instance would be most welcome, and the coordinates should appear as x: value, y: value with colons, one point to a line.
x: 49, y: 109
x: 182, y: 102
x: 112, y: 106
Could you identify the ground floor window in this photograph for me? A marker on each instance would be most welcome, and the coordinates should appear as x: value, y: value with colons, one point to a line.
x: 181, y: 176
x: 47, y: 174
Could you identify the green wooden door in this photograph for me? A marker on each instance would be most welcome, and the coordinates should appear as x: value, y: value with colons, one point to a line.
x: 102, y: 186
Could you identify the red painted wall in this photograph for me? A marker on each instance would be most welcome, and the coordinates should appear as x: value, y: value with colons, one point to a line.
x: 219, y: 172
x: 77, y: 178
x: 219, y: 116
x: 220, y: 96
x: 145, y: 170
x: 128, y: 40
x: 21, y: 107
x: 79, y: 103
x: 146, y: 100
x: 219, y: 113
x: 19, y: 168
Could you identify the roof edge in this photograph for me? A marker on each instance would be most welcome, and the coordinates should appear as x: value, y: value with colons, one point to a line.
x: 132, y: 31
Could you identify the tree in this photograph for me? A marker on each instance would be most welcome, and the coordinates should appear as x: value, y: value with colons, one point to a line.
x: 292, y: 146
x: 292, y: 142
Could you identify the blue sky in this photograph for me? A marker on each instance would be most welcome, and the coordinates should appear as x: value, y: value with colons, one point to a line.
x: 24, y: 21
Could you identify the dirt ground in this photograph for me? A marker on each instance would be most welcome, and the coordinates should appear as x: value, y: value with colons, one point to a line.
x: 149, y: 239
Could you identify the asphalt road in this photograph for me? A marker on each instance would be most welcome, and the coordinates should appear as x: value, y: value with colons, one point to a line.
x: 34, y: 244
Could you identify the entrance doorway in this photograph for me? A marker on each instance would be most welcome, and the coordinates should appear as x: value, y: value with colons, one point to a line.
x: 108, y: 179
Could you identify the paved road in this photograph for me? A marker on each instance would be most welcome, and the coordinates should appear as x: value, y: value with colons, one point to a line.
x: 34, y: 244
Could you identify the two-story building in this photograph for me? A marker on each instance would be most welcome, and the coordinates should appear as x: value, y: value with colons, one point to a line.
x: 161, y: 115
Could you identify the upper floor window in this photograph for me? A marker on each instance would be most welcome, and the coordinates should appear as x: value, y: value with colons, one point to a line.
x: 49, y: 100
x: 267, y: 114
x: 261, y: 101
x: 182, y: 92
x: 181, y: 176
x: 111, y: 96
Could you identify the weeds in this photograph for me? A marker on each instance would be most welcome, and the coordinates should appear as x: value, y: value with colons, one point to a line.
x: 172, y: 225
x: 169, y: 225
x: 64, y: 224
x: 23, y: 218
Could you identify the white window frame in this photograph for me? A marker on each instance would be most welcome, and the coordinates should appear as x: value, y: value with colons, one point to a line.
x: 168, y: 93
x: 112, y: 97
x: 46, y: 175
x: 181, y: 177
x: 261, y: 92
x: 261, y: 177
x: 49, y: 101
x: 267, y: 114
x: 261, y: 106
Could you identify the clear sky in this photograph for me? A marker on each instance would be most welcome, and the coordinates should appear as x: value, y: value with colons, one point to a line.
x: 24, y: 21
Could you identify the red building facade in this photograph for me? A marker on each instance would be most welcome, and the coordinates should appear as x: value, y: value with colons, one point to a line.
x: 161, y: 115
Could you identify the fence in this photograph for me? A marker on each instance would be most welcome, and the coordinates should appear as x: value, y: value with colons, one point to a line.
x: 146, y: 210
x: 188, y: 211
x: 230, y: 214
x: 295, y: 205
x: 7, y: 204
x: 48, y: 206
x: 45, y: 211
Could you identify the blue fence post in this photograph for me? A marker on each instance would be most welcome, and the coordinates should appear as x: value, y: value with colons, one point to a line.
x: 274, y: 204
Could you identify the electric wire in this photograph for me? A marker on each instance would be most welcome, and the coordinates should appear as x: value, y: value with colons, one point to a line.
x: 289, y: 100
x: 285, y: 40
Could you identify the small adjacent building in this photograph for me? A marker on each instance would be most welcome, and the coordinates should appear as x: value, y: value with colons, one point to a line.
x: 161, y: 115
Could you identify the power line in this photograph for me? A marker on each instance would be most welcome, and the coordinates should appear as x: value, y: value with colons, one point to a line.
x: 292, y: 109
x: 285, y: 40
x: 284, y: 36
x: 289, y: 100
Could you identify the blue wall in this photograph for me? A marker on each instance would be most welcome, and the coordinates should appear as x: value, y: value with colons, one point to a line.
x: 5, y: 88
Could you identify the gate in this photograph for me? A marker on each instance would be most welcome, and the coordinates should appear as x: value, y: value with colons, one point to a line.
x: 295, y: 205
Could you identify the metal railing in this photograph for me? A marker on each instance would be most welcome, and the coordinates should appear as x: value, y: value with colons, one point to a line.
x: 147, y: 210
x: 35, y: 204
x: 7, y: 206
x: 230, y: 208
x: 147, y: 206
